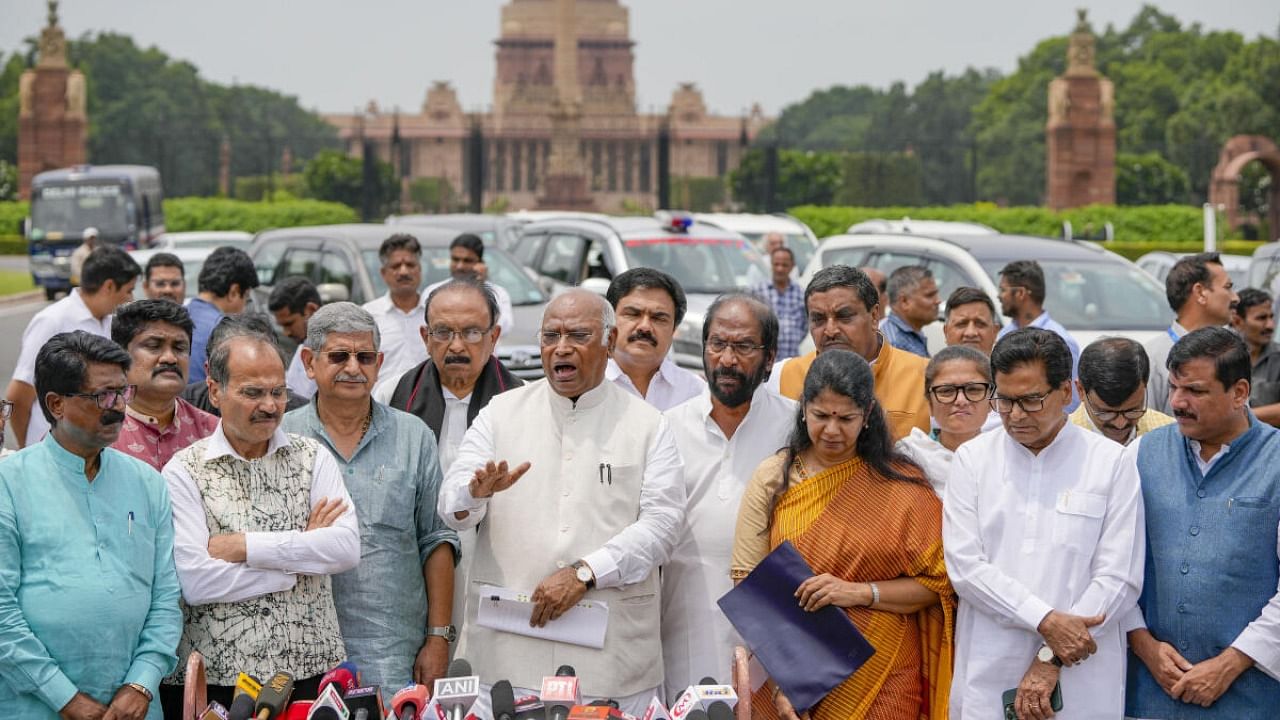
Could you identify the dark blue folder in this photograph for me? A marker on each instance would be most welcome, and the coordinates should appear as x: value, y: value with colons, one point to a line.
x: 806, y: 653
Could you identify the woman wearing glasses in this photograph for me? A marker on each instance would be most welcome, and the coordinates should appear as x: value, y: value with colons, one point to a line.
x: 864, y: 518
x: 957, y: 383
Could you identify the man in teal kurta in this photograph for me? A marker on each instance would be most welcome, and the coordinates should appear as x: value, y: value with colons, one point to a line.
x: 89, y: 616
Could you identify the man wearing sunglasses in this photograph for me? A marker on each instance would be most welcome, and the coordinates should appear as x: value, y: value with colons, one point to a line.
x: 89, y: 614
x: 1043, y: 535
x: 388, y: 461
x: 1113, y: 391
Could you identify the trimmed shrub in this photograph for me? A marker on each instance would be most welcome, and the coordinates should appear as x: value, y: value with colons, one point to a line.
x: 184, y: 214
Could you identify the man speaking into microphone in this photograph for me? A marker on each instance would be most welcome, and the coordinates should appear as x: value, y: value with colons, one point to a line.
x: 581, y: 490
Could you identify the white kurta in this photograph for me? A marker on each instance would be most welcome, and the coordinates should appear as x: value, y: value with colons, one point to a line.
x: 697, y: 640
x: 1025, y: 534
x: 930, y: 455
x: 401, y: 343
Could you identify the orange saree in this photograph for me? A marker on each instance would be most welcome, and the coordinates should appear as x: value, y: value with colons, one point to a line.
x: 850, y: 522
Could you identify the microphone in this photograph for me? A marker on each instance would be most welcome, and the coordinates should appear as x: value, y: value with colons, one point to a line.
x: 410, y: 701
x: 457, y: 691
x: 365, y: 703
x: 560, y: 693
x: 215, y: 711
x: 697, y: 714
x: 298, y: 710
x: 329, y: 705
x: 274, y: 696
x: 529, y: 707
x: 655, y: 711
x: 345, y: 676
x: 241, y: 707
x: 503, y: 701
x: 701, y: 697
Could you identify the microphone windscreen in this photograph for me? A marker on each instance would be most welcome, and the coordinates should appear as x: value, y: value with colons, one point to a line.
x: 719, y: 710
x: 459, y: 668
x: 708, y: 680
x: 697, y: 714
x: 503, y: 700
x: 566, y: 671
x: 274, y: 695
x: 241, y: 707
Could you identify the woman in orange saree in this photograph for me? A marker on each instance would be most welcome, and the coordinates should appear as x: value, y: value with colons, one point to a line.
x: 869, y: 525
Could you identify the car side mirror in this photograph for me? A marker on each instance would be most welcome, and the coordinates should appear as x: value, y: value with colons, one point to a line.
x: 333, y: 292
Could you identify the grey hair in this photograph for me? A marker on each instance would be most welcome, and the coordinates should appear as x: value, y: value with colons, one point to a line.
x: 904, y: 280
x: 608, y: 319
x: 340, y: 317
x: 244, y: 325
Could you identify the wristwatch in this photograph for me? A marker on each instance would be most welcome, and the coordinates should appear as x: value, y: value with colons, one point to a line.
x: 140, y: 688
x: 448, y: 632
x: 585, y: 576
x: 1045, y: 655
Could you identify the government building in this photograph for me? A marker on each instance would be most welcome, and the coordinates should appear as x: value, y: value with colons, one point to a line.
x: 618, y: 145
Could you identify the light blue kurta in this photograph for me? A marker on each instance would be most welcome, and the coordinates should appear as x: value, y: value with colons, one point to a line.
x: 88, y: 598
x: 394, y: 479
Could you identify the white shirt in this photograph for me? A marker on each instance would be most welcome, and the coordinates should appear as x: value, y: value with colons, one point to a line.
x: 1026, y: 534
x: 506, y: 316
x: 697, y: 640
x: 930, y: 455
x: 296, y: 378
x: 669, y: 386
x: 274, y: 559
x: 401, y: 342
x: 68, y: 314
x: 453, y: 427
x: 630, y: 555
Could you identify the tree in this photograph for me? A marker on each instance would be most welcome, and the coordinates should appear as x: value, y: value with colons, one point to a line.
x: 804, y: 178
x: 1149, y: 179
x: 332, y: 175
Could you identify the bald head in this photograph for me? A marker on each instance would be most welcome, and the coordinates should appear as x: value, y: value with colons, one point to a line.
x: 582, y: 301
x: 576, y: 337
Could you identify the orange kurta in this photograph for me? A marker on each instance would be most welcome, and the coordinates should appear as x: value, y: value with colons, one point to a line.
x: 854, y: 524
x: 899, y: 379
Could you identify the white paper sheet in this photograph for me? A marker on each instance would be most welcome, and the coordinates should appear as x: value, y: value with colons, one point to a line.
x: 509, y: 610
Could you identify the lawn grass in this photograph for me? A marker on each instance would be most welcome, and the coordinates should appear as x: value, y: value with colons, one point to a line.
x: 15, y: 281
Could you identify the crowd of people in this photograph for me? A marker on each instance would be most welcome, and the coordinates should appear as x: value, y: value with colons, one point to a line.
x: 1015, y: 524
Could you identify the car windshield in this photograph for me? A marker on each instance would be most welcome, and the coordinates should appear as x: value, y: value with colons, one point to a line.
x: 1098, y: 295
x: 435, y: 268
x: 701, y: 265
x: 72, y: 208
x: 212, y: 243
x: 801, y: 245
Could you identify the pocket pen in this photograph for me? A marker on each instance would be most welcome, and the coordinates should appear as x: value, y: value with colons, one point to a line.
x: 130, y: 523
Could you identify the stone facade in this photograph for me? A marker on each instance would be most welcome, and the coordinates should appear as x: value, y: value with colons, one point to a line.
x: 617, y: 145
x: 52, y: 125
x: 1080, y: 136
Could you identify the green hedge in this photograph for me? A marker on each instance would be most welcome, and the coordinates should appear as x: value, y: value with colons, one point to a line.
x: 1147, y: 223
x: 185, y: 214
x: 12, y: 213
x: 13, y: 245
x: 1135, y: 250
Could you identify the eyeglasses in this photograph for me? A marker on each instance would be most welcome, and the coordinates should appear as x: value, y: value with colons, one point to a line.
x: 6, y: 409
x: 106, y: 399
x: 741, y: 348
x: 1109, y: 415
x: 551, y: 338
x: 973, y: 392
x: 471, y: 335
x: 364, y: 357
x: 1028, y: 403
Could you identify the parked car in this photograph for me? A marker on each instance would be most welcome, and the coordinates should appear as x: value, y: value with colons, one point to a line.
x: 342, y: 260
x: 1264, y: 267
x: 192, y: 260
x: 497, y: 230
x: 800, y: 239
x: 589, y: 251
x: 207, y: 239
x: 1092, y: 291
x: 920, y: 227
x: 1159, y: 263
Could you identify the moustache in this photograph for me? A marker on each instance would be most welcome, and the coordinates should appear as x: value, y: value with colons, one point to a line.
x: 729, y: 373
x: 351, y: 377
x: 642, y: 335
x: 457, y: 360
x: 111, y: 417
x: 263, y: 417
x: 1184, y: 414
x: 166, y: 368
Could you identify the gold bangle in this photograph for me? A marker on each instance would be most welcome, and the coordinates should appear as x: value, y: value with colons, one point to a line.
x: 140, y: 688
x: 875, y: 594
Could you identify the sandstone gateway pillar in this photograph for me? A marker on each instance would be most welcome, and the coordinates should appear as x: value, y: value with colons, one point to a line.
x: 566, y: 184
x: 1081, y: 133
x: 52, y: 125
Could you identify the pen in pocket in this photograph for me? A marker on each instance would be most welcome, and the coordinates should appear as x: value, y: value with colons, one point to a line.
x: 130, y: 523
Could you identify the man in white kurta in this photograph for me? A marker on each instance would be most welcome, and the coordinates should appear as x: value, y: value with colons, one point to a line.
x: 723, y: 435
x: 580, y: 490
x: 1042, y: 532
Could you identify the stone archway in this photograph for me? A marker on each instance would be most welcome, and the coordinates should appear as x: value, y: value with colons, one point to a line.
x: 1224, y: 187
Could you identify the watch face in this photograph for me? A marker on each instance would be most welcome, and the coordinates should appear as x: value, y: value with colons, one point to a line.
x: 1045, y: 654
x: 584, y: 574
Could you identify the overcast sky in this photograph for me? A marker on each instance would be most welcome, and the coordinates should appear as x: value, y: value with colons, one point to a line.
x: 335, y: 55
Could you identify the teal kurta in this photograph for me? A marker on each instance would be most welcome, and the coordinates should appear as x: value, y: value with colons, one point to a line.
x: 88, y: 590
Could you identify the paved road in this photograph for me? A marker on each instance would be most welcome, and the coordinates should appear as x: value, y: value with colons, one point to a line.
x: 14, y: 262
x: 13, y: 320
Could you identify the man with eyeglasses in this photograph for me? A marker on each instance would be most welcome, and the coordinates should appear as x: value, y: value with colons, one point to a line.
x: 466, y: 262
x: 1042, y: 531
x: 580, y: 490
x: 89, y: 614
x: 261, y: 521
x: 164, y: 278
x: 1113, y: 391
x: 723, y: 435
x: 842, y: 304
x: 158, y: 422
x: 389, y: 463
x: 649, y: 305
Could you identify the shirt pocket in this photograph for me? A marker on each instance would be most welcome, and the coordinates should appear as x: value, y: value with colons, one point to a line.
x: 140, y: 540
x: 1251, y: 523
x: 390, y: 501
x: 1077, y: 522
x: 618, y: 486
